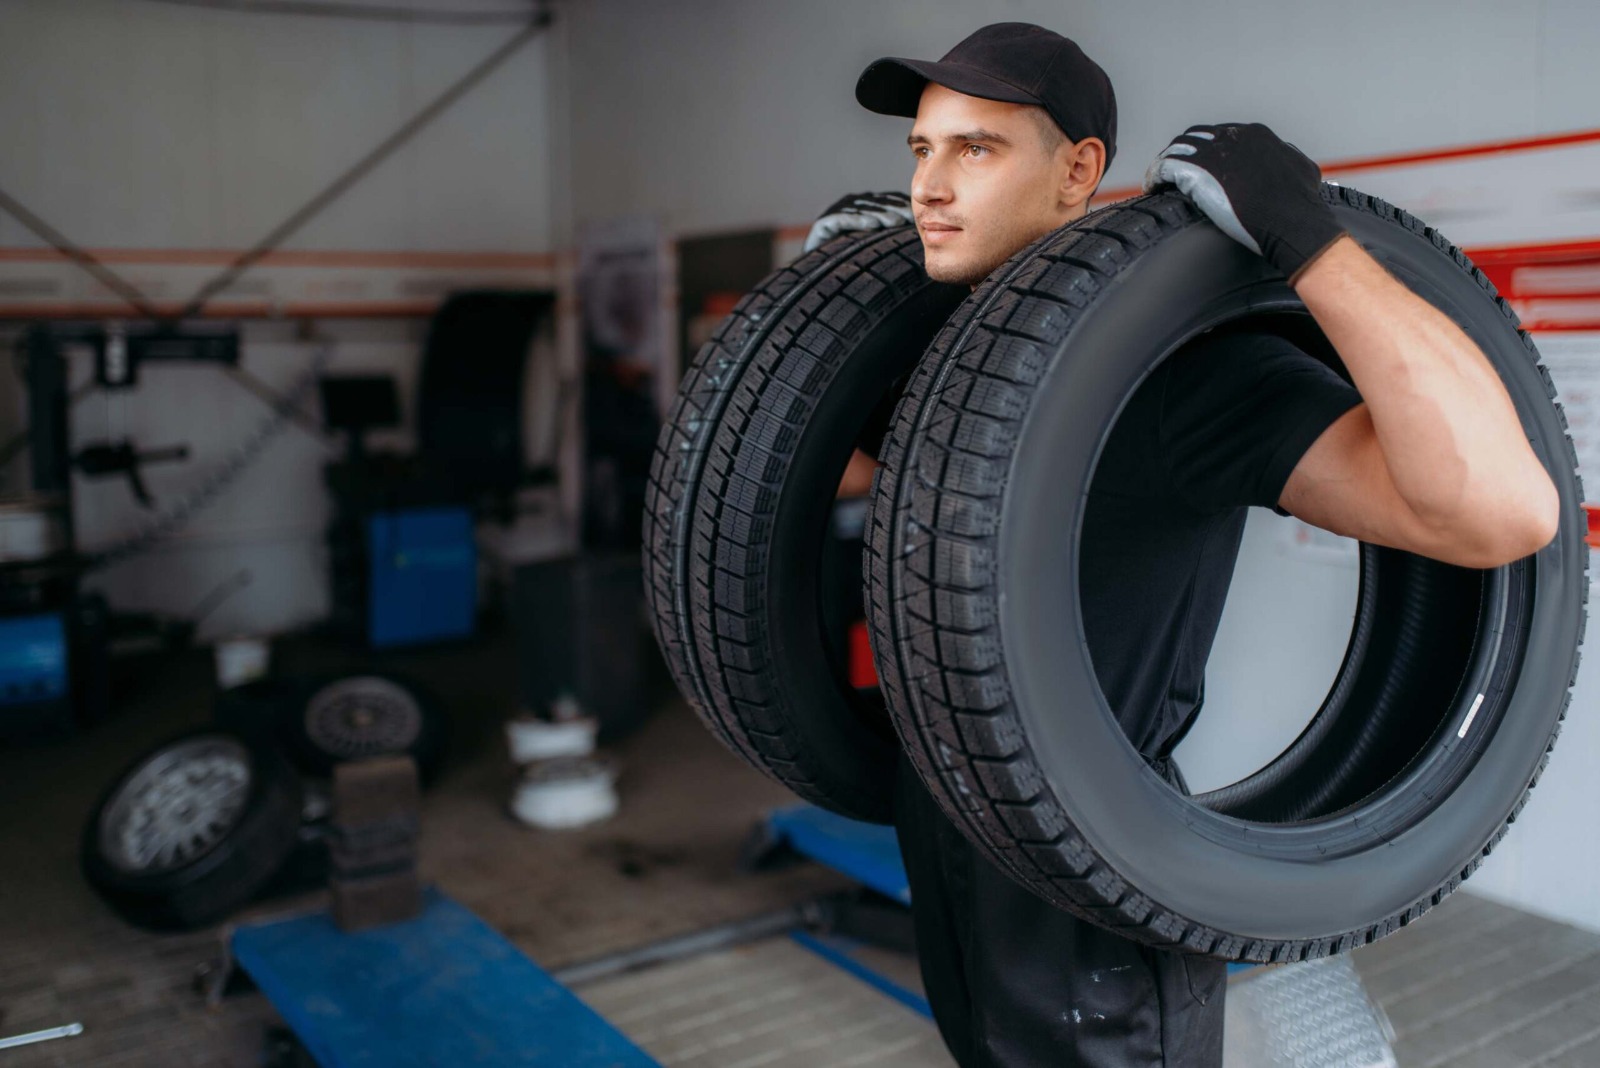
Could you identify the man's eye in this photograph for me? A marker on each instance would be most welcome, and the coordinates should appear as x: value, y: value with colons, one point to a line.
x: 920, y: 151
x: 976, y: 150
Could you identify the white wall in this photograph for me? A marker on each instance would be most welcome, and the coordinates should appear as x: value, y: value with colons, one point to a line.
x: 730, y: 113
x: 145, y: 125
x: 723, y: 113
x: 1279, y: 644
x: 140, y: 128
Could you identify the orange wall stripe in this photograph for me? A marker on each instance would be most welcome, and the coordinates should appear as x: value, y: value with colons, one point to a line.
x: 1527, y: 255
x: 1400, y: 159
x: 306, y: 258
x: 377, y: 309
x: 1485, y: 148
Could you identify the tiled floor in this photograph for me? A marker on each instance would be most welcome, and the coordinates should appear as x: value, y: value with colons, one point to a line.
x: 1475, y: 984
x: 1472, y: 985
x: 771, y: 1004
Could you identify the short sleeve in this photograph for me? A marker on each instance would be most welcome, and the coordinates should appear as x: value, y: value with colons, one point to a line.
x: 1237, y: 414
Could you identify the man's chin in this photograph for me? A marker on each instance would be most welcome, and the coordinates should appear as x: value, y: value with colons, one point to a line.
x: 953, y: 271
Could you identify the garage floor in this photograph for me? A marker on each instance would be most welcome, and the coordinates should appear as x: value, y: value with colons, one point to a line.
x: 1473, y: 985
x: 666, y: 865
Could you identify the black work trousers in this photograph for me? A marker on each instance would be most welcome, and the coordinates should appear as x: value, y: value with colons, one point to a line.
x: 1016, y: 982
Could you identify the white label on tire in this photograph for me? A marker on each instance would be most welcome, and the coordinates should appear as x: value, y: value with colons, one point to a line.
x: 1472, y: 714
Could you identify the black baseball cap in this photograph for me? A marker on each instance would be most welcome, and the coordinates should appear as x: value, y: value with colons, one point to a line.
x: 1012, y: 61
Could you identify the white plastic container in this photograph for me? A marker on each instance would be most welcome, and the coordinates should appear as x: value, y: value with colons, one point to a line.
x: 565, y: 792
x: 241, y: 660
x: 530, y: 738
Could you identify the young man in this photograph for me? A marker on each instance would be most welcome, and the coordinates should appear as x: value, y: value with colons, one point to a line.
x: 1013, y: 130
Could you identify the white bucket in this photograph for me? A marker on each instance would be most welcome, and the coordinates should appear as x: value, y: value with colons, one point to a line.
x: 241, y: 660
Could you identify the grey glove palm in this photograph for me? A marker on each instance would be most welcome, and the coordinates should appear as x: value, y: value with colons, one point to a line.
x: 860, y: 211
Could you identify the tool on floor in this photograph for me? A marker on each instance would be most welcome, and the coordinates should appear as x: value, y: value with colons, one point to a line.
x: 68, y: 1031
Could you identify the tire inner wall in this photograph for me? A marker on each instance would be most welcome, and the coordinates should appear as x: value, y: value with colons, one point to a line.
x: 1278, y: 648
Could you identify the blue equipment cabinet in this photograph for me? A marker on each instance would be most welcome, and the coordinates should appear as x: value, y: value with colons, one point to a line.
x: 33, y: 659
x: 35, y: 674
x: 422, y: 576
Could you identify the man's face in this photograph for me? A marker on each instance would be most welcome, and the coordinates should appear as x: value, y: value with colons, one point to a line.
x: 990, y: 178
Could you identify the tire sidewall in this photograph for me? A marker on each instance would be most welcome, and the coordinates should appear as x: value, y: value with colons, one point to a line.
x: 1094, y: 774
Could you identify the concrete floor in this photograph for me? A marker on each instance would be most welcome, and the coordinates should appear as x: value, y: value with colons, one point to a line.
x: 1472, y: 985
x: 666, y: 865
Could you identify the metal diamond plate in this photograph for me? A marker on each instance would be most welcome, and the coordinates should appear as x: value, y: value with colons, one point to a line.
x: 1311, y: 1015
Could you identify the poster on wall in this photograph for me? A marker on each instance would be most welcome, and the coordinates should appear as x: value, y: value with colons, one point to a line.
x: 1573, y: 361
x: 621, y: 289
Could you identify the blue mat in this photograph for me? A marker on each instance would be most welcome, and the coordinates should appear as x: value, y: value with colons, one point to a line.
x: 442, y: 989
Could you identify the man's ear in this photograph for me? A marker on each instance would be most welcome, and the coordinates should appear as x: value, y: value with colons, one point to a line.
x: 1083, y: 164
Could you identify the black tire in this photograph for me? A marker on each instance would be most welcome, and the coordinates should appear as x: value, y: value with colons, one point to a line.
x: 337, y: 718
x: 1442, y: 716
x: 259, y: 709
x: 741, y: 489
x: 154, y: 882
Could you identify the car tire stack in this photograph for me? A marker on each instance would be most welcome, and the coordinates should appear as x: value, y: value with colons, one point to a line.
x: 1442, y: 717
x: 206, y: 821
x: 741, y: 494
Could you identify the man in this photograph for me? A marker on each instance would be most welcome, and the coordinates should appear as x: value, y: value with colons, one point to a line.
x: 1013, y: 130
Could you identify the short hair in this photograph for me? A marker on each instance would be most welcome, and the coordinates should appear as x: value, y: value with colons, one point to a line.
x: 1050, y: 135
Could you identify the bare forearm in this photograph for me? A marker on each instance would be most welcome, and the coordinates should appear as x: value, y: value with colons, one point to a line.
x: 1449, y: 434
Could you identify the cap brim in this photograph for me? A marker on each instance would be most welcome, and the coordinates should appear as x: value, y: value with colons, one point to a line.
x: 892, y: 86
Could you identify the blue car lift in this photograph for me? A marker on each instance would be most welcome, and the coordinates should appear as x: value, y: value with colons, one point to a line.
x: 442, y: 988
x: 445, y: 988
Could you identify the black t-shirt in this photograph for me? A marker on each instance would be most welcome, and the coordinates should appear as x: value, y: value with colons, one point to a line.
x: 1218, y: 427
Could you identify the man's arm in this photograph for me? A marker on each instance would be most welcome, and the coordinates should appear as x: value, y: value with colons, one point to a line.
x: 1435, y: 460
x: 857, y: 478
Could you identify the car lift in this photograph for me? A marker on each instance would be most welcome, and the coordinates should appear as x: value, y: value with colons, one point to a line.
x: 446, y: 988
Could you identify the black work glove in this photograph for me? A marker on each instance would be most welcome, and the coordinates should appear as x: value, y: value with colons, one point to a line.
x: 860, y: 211
x: 1259, y: 190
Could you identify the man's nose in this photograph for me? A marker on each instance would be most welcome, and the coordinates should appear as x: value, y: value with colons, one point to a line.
x: 929, y: 185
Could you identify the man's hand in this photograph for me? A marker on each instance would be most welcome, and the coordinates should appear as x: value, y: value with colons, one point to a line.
x: 1259, y: 190
x: 860, y: 211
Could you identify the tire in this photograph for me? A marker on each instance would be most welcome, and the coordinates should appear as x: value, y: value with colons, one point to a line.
x: 741, y: 488
x: 339, y: 718
x: 259, y: 709
x: 199, y: 866
x: 1440, y: 720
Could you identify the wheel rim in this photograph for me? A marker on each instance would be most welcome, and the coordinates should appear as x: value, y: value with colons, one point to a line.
x: 176, y: 806
x: 364, y: 716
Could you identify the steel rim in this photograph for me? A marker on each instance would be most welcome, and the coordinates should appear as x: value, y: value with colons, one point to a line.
x: 177, y: 805
x: 363, y: 716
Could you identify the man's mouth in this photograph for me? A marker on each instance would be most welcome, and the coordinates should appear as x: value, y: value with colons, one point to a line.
x: 937, y: 233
